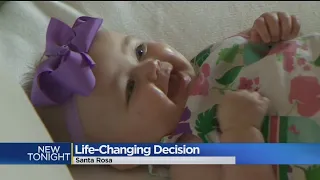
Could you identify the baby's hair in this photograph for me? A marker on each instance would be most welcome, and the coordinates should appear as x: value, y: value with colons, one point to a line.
x: 46, y: 114
x: 27, y: 78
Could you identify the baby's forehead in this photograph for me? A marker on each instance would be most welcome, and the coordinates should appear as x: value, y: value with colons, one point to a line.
x: 108, y: 43
x: 105, y: 44
x: 109, y: 37
x: 112, y: 62
x: 112, y: 45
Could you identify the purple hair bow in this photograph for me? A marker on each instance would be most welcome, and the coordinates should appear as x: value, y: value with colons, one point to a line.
x: 67, y: 71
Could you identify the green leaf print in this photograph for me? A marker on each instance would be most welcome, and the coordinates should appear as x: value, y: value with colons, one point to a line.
x: 202, y: 56
x: 312, y: 172
x: 302, y: 130
x: 317, y: 62
x: 253, y: 53
x: 265, y: 128
x: 280, y: 57
x: 228, y: 54
x: 229, y: 76
x: 206, y: 123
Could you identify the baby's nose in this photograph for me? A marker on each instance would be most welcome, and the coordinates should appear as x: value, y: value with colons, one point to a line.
x: 165, y: 67
x: 147, y: 70
x: 151, y: 70
x: 159, y: 51
x: 165, y: 53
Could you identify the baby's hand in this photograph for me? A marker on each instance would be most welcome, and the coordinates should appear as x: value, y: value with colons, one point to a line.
x: 274, y: 27
x: 242, y: 109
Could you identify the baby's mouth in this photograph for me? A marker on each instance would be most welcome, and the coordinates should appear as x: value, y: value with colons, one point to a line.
x: 171, y: 82
x: 178, y: 82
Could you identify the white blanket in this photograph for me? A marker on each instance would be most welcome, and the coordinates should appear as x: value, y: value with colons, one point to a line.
x: 187, y: 26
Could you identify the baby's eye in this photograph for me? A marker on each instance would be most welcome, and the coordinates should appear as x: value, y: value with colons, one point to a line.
x: 141, y: 51
x: 130, y: 88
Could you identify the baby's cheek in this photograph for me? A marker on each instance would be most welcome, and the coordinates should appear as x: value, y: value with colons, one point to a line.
x: 149, y: 97
x: 153, y: 107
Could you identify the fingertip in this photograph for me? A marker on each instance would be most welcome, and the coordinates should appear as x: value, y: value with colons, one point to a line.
x: 256, y: 93
x: 285, y: 25
x: 296, y: 21
x: 295, y: 26
x: 266, y: 99
x: 294, y: 17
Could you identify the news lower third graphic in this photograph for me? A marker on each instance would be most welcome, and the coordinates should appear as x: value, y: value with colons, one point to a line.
x: 164, y: 154
x: 49, y: 153
x: 139, y: 154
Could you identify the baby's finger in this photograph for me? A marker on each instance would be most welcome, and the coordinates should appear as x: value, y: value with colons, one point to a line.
x: 265, y: 100
x: 272, y: 23
x: 255, y: 94
x: 260, y: 97
x: 265, y: 103
x: 261, y: 28
x: 261, y: 100
x: 285, y: 25
x: 255, y: 37
x: 295, y: 27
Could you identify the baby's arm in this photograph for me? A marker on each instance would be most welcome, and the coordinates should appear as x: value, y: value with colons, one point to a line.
x: 194, y: 172
x: 273, y: 27
x: 245, y: 172
x: 240, y: 116
x: 226, y: 172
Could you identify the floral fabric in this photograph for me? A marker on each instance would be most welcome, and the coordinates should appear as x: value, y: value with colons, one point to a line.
x: 288, y: 73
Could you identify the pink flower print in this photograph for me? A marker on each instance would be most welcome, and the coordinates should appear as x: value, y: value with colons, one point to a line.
x: 303, y: 63
x: 304, y: 47
x: 293, y: 129
x: 201, y: 86
x: 245, y: 83
x: 305, y: 91
x: 288, y: 62
x: 205, y: 69
x: 249, y: 84
x: 256, y: 84
x: 289, y: 50
x: 307, y: 68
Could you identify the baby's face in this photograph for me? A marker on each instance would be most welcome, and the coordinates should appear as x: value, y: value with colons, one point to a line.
x: 140, y: 93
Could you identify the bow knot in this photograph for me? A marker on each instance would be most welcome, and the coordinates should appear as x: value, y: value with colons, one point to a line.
x: 63, y: 50
x: 67, y: 70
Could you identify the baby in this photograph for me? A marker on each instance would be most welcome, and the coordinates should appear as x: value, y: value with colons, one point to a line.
x: 101, y: 86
